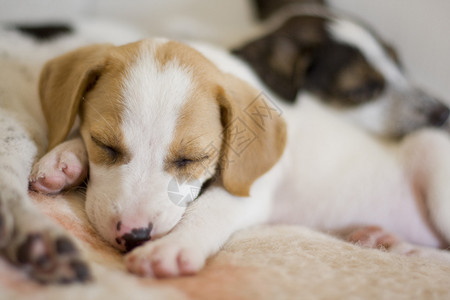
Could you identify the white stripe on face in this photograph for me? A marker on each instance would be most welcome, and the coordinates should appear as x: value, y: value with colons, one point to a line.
x: 154, y: 93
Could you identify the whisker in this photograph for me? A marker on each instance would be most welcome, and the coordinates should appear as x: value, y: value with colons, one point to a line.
x: 106, y: 121
x: 188, y: 143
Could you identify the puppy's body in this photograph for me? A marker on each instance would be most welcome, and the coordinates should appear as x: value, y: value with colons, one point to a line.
x: 341, y: 178
x: 307, y: 46
x: 157, y: 111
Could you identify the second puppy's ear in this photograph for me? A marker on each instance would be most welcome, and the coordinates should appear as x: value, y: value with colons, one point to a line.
x: 279, y: 62
x: 281, y: 58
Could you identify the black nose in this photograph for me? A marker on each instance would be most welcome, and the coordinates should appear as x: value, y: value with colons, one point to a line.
x: 439, y: 115
x: 137, y: 237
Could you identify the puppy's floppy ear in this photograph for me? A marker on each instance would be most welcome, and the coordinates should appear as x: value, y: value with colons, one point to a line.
x: 254, y: 135
x: 64, y: 81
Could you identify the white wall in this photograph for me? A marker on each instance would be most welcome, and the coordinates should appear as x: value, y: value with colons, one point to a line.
x: 418, y: 28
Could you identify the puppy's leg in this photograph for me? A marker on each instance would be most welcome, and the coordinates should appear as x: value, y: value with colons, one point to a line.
x: 27, y: 237
x: 65, y: 166
x: 204, y: 228
x: 427, y: 158
x: 376, y: 237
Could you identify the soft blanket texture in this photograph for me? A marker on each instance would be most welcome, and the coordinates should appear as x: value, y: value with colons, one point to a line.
x: 266, y: 262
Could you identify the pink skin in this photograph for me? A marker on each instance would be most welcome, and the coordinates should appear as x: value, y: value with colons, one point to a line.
x: 64, y: 167
x: 373, y: 237
x: 376, y: 237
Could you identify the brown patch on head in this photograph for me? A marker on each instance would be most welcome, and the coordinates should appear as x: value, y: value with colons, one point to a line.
x: 195, y: 148
x: 88, y: 82
x: 218, y: 109
x: 104, y: 140
x: 194, y: 152
x: 101, y: 111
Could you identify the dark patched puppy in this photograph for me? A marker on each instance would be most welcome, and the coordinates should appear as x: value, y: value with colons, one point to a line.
x: 306, y: 47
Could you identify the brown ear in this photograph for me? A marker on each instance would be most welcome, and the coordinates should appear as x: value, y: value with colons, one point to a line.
x: 63, y: 83
x: 254, y: 135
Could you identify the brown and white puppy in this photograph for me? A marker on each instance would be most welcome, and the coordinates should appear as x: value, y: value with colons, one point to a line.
x: 185, y: 146
x: 307, y: 47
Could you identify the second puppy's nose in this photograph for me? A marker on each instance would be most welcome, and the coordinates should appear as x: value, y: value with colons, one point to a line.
x: 135, y: 237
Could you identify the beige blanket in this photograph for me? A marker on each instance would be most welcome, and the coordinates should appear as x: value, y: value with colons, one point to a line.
x: 266, y: 262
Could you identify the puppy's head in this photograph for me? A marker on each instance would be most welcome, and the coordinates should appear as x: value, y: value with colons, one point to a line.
x: 346, y: 66
x: 158, y: 121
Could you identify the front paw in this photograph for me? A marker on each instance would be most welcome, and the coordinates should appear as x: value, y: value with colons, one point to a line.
x: 38, y: 246
x: 51, y: 259
x: 64, y: 167
x: 43, y: 250
x: 166, y: 257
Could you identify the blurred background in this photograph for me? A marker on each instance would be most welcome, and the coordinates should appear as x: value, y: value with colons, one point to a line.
x: 417, y: 28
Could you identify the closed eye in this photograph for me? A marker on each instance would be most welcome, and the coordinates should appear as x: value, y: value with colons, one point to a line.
x: 184, y: 162
x: 112, y: 152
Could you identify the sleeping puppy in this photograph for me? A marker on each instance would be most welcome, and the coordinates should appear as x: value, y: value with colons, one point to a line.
x: 305, y: 46
x: 27, y: 238
x: 185, y: 146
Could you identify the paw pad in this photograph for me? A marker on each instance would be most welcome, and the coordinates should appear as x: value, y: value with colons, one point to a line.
x: 373, y: 237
